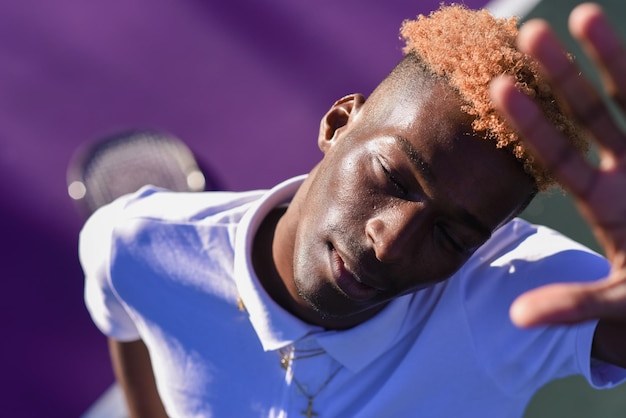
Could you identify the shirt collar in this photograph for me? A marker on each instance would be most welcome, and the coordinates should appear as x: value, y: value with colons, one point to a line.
x: 357, y: 347
x: 274, y: 326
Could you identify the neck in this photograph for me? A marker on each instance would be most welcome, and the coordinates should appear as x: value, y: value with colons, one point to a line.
x: 263, y: 259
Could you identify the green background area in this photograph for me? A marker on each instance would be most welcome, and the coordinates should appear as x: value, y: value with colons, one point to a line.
x: 572, y: 397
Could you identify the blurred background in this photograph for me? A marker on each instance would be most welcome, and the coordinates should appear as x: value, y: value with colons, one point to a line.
x: 242, y: 83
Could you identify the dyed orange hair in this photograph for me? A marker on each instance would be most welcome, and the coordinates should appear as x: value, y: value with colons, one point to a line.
x: 468, y: 49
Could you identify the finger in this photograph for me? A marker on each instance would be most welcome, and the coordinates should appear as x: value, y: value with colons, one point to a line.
x: 589, y: 25
x: 543, y: 139
x: 537, y: 39
x: 566, y: 303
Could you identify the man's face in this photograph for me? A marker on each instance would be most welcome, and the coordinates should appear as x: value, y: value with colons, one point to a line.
x: 399, y: 203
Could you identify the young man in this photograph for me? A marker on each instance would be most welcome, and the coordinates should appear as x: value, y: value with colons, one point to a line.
x: 380, y: 284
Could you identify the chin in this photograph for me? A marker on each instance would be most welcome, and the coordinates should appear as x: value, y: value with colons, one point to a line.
x: 317, y: 299
x: 332, y: 305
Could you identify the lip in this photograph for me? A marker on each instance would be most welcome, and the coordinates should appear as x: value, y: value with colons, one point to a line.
x: 349, y: 282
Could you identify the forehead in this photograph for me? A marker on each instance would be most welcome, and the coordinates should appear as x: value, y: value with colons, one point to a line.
x: 402, y: 102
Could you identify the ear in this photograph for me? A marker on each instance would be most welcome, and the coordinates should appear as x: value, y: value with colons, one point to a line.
x: 339, y: 115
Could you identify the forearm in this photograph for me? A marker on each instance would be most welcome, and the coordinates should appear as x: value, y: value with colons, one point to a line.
x: 133, y: 371
x: 609, y: 342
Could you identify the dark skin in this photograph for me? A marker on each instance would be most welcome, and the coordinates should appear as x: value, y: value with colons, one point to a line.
x: 402, y: 198
x: 421, y: 213
x: 133, y: 371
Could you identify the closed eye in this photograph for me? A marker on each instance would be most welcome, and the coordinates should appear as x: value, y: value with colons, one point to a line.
x: 394, y: 180
x: 456, y: 245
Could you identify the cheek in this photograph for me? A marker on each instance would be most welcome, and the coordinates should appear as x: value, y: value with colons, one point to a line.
x: 348, y: 192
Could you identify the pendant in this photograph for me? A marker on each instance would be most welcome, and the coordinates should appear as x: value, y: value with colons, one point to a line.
x: 309, y: 409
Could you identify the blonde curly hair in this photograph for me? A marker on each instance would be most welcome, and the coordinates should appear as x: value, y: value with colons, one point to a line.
x: 468, y: 49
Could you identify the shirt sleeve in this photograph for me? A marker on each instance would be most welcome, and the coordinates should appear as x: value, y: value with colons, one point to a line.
x: 107, y: 310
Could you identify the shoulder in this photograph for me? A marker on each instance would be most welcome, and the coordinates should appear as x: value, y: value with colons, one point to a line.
x: 160, y: 240
x: 519, y: 257
x: 154, y: 211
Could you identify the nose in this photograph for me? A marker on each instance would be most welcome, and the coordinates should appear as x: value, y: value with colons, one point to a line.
x: 393, y: 232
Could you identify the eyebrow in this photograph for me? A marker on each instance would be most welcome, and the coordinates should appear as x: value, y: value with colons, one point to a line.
x: 428, y: 175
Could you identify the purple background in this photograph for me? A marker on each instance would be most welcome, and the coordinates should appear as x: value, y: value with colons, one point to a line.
x: 243, y: 83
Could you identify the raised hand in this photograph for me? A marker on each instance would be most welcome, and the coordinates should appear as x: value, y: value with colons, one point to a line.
x: 599, y: 191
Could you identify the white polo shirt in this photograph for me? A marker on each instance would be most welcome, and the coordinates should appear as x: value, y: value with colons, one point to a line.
x: 168, y: 268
